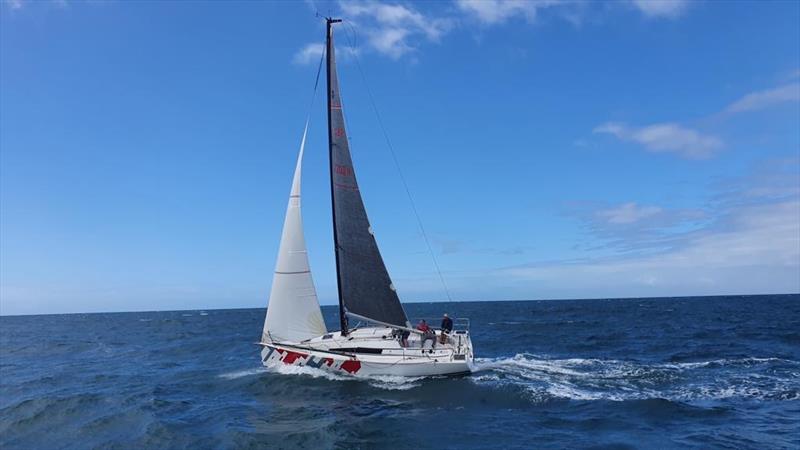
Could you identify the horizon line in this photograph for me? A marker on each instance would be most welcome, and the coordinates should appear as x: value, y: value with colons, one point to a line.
x: 432, y: 301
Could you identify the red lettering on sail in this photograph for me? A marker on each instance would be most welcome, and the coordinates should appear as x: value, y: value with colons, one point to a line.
x: 339, y: 132
x: 343, y: 171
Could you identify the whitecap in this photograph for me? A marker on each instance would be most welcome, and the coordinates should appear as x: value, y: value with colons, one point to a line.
x: 309, y: 371
x: 387, y: 382
x: 615, y: 380
x: 394, y: 382
x: 242, y: 373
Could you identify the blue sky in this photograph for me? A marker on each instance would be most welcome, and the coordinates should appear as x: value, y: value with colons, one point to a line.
x: 556, y: 149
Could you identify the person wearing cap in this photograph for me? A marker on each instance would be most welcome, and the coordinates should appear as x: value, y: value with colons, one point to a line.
x: 447, y: 328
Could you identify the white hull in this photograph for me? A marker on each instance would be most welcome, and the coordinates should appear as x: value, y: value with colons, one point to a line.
x: 373, y: 351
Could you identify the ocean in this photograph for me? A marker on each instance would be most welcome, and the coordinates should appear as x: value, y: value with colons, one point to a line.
x: 705, y: 372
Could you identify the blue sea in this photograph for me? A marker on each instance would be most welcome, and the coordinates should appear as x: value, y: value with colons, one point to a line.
x: 705, y: 372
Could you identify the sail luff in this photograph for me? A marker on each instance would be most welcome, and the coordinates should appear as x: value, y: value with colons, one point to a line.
x: 365, y: 288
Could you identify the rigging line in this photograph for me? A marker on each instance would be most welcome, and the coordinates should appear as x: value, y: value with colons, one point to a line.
x: 396, y: 162
x: 314, y: 95
x: 316, y: 84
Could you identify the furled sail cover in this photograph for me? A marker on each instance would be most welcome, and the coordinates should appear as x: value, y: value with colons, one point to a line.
x: 364, y: 284
x: 293, y: 313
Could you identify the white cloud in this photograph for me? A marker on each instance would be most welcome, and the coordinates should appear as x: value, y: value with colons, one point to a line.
x: 763, y: 99
x: 498, y: 11
x: 308, y: 54
x: 672, y: 137
x: 748, y: 242
x: 628, y: 213
x: 751, y: 245
x: 19, y: 4
x: 311, y: 53
x: 631, y: 227
x: 492, y: 12
x: 396, y: 16
x: 398, y: 29
x: 661, y: 8
x: 391, y: 42
x: 394, y: 29
x: 665, y: 137
x: 757, y: 251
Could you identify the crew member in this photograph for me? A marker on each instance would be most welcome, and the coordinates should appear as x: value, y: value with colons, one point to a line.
x: 427, y: 334
x: 447, y: 328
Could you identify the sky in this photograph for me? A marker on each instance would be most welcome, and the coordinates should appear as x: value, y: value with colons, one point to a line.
x: 553, y: 149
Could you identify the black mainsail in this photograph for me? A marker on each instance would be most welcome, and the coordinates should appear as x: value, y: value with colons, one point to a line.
x: 365, y: 288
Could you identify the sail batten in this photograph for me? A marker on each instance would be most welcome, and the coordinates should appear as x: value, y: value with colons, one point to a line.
x: 365, y: 288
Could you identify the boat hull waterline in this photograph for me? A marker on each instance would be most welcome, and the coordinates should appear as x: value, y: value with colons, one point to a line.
x: 377, y: 356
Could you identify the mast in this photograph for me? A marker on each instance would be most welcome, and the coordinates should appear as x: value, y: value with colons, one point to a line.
x: 329, y: 47
x: 365, y: 287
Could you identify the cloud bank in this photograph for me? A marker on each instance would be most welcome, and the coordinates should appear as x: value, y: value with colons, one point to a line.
x: 399, y: 29
x: 751, y: 244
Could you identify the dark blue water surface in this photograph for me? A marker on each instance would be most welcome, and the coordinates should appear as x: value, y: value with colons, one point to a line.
x: 648, y: 373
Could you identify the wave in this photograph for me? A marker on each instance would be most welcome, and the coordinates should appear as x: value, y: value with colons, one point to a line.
x: 542, y: 379
x: 395, y: 383
x: 727, y: 362
x: 312, y: 372
x: 242, y: 373
x: 545, y: 378
x: 386, y: 382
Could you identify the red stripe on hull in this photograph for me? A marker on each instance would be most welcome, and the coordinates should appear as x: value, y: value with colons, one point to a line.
x: 290, y: 357
x: 351, y: 366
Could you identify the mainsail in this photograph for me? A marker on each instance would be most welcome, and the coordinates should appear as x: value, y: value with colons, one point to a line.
x: 293, y: 313
x: 365, y: 288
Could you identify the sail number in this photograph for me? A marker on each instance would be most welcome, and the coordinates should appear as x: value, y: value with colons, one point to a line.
x: 343, y: 171
x: 339, y: 132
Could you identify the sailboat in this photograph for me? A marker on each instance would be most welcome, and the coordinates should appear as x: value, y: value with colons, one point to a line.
x: 382, y: 341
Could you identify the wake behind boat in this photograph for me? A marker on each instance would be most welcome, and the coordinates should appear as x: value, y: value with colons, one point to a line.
x: 294, y: 331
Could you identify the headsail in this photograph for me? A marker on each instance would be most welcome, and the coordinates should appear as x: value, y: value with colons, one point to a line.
x: 293, y: 313
x: 364, y: 284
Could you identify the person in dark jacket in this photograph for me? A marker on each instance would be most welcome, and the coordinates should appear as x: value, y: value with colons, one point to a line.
x: 447, y: 328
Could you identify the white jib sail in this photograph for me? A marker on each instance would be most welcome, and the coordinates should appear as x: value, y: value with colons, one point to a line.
x: 293, y: 313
